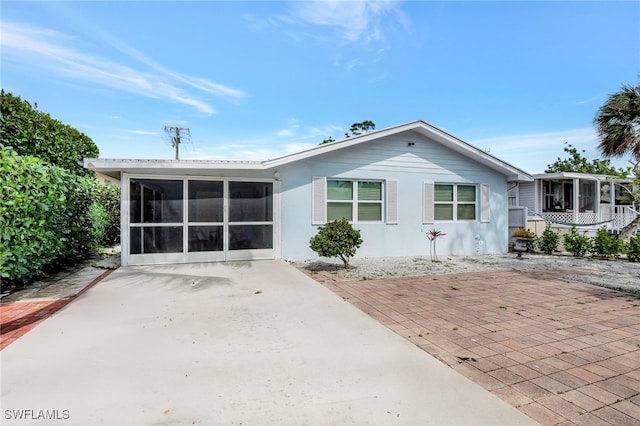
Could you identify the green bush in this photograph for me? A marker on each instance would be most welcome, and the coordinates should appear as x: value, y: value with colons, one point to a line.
x: 548, y: 241
x: 46, y: 217
x: 108, y: 198
x: 606, y: 245
x: 336, y: 239
x: 533, y: 242
x: 577, y: 243
x: 633, y: 249
x: 34, y: 133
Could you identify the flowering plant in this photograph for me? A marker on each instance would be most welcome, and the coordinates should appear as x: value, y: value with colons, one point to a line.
x: 522, y: 233
x: 432, y: 235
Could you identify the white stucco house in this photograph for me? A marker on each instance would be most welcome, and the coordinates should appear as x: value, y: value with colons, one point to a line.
x: 394, y: 185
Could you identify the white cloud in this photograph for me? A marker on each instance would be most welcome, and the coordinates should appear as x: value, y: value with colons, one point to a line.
x: 53, y: 51
x: 142, y: 132
x: 293, y: 138
x: 538, y: 140
x: 285, y: 133
x: 355, y: 21
x: 245, y: 152
x: 363, y: 25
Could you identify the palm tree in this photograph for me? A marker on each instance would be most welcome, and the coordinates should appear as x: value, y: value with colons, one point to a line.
x: 618, y: 125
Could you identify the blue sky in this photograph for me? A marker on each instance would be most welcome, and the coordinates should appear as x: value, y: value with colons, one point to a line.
x: 254, y: 80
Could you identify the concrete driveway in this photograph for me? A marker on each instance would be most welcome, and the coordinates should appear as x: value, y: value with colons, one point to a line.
x: 235, y: 343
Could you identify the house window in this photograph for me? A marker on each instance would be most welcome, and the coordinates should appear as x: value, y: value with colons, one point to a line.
x: 359, y: 201
x: 454, y: 202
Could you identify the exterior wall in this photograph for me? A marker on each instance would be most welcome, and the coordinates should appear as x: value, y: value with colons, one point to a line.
x: 527, y: 197
x: 393, y: 158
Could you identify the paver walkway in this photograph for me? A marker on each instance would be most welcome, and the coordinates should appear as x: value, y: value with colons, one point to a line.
x: 562, y: 353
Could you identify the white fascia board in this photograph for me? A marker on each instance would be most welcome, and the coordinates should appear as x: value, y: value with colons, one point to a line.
x: 111, y: 166
x: 571, y: 175
x: 111, y: 163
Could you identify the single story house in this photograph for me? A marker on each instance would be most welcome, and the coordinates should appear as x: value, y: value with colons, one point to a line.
x: 394, y: 185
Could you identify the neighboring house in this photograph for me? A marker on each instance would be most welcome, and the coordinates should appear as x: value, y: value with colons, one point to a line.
x: 393, y: 184
x: 588, y: 201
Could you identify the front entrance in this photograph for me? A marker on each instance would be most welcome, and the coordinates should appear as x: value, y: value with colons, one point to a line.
x: 180, y: 220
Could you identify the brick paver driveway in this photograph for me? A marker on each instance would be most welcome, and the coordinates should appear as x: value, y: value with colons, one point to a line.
x: 562, y: 353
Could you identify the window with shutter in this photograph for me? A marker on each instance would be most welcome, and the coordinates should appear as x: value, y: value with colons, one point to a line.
x: 319, y: 200
x: 427, y: 202
x: 453, y: 202
x: 392, y: 201
x: 354, y: 200
x: 485, y: 208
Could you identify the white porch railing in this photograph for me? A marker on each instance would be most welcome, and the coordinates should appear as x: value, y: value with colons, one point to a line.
x: 613, y: 217
x: 620, y: 216
x: 569, y: 218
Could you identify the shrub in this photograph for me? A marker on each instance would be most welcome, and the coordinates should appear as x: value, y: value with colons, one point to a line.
x: 108, y: 198
x: 606, y: 245
x: 34, y: 133
x: 45, y: 214
x: 633, y: 249
x: 577, y: 243
x: 336, y: 239
x: 548, y: 241
x: 532, y: 242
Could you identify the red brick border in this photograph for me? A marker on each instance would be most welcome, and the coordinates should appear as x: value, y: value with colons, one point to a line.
x: 18, y: 318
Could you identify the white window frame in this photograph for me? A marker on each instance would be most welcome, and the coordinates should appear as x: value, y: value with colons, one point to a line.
x: 355, y: 202
x: 455, y: 203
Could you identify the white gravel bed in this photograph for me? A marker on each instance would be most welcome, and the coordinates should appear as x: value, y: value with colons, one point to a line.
x: 617, y: 274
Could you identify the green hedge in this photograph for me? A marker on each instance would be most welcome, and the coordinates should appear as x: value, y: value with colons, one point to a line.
x: 46, y: 216
x: 107, y: 214
x: 35, y: 133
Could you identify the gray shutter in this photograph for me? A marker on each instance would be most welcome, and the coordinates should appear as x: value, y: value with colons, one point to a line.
x: 318, y: 200
x: 427, y: 202
x: 485, y: 208
x: 392, y: 201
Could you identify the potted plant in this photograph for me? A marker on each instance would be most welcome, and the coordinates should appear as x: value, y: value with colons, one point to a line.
x: 521, y: 239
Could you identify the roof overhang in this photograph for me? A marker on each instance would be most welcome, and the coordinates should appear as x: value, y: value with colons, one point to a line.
x: 576, y: 175
x: 115, y: 167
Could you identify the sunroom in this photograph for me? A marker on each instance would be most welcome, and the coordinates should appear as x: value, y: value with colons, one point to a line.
x: 581, y: 199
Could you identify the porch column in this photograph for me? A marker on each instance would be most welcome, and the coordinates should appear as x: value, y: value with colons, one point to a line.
x: 612, y: 195
x: 614, y: 225
x: 576, y: 199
